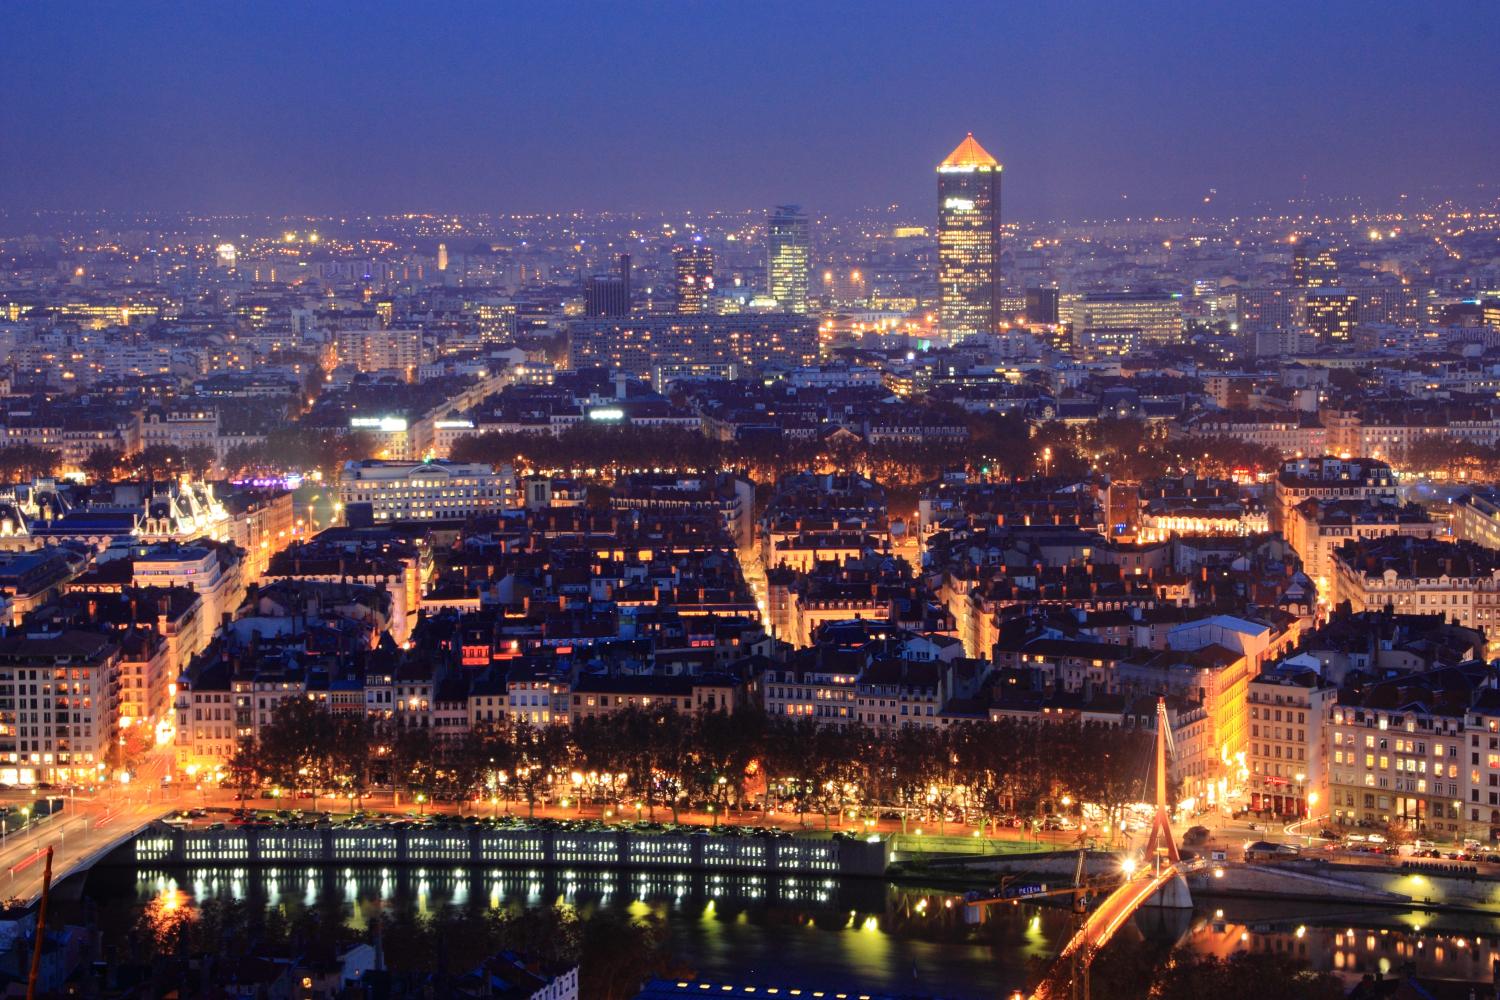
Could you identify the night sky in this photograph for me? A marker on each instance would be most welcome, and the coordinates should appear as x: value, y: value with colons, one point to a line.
x: 351, y: 107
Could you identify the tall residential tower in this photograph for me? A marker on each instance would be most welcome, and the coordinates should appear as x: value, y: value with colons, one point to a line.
x: 788, y: 256
x: 695, y: 279
x: 969, y: 241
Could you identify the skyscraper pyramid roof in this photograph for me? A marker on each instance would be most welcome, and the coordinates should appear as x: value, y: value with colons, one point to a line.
x: 969, y: 154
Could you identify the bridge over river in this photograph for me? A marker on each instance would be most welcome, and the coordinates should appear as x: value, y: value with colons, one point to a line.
x: 79, y: 837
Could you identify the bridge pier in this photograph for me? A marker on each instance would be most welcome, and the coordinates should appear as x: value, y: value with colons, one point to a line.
x: 1173, y: 895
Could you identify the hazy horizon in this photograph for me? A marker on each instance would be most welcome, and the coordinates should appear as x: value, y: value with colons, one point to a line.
x: 282, y: 109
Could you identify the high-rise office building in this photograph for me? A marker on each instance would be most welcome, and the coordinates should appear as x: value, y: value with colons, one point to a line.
x: 695, y: 278
x: 1393, y: 304
x: 969, y: 241
x: 442, y: 257
x: 1041, y: 305
x: 622, y: 267
x: 605, y: 295
x: 1267, y: 310
x: 1314, y: 265
x: 788, y: 256
x: 609, y: 294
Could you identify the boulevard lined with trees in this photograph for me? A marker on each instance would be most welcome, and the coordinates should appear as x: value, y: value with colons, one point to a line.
x: 995, y: 445
x: 654, y: 763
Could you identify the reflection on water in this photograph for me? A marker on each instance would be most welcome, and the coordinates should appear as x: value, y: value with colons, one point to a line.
x: 827, y: 932
x: 1353, y: 943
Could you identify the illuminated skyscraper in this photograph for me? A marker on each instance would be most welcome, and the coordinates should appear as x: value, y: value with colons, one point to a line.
x: 695, y: 278
x: 442, y: 257
x: 788, y: 255
x: 969, y: 241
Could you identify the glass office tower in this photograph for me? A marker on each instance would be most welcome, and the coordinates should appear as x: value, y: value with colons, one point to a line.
x: 969, y: 241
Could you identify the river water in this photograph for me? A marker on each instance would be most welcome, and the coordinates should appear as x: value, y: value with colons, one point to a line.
x: 828, y: 933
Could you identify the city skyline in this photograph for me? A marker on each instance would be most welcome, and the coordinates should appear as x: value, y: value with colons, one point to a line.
x: 620, y: 502
x: 520, y: 112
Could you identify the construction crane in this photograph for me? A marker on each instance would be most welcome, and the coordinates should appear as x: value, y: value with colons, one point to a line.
x: 41, y: 929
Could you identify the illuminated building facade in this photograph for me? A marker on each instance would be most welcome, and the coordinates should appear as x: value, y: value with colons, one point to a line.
x: 406, y: 491
x: 969, y: 241
x: 62, y: 690
x: 640, y: 344
x: 1268, y: 314
x: 214, y: 571
x: 1459, y: 580
x: 788, y: 257
x: 1331, y: 315
x: 1402, y: 765
x: 1396, y: 305
x: 1314, y: 265
x: 380, y: 350
x: 1328, y: 479
x: 1098, y: 342
x: 180, y: 428
x: 146, y: 662
x: 1288, y: 773
x: 695, y: 279
x: 1156, y: 315
x: 1476, y: 518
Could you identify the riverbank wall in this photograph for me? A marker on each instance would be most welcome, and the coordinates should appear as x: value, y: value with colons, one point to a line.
x: 1436, y: 886
x: 1316, y: 880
